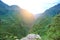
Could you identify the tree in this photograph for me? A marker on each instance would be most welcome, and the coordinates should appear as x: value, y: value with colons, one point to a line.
x: 48, y: 31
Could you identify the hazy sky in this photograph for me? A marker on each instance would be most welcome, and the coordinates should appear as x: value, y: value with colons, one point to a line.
x: 33, y: 6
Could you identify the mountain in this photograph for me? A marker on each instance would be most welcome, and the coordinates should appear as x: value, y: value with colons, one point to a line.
x: 53, y: 11
x: 3, y: 8
x: 26, y: 16
x: 14, y: 22
x: 10, y: 22
x: 47, y: 25
x: 49, y: 13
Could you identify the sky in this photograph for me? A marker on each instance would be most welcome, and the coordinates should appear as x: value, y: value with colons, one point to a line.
x: 33, y: 6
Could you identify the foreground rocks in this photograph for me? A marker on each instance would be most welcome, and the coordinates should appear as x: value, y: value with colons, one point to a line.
x: 32, y: 37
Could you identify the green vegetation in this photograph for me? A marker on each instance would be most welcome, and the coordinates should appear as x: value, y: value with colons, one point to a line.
x: 48, y: 30
x: 12, y: 25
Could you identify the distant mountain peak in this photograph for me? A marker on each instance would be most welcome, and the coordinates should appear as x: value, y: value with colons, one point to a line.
x: 3, y: 4
x: 59, y: 4
x: 14, y: 6
x: 3, y: 8
x: 53, y: 10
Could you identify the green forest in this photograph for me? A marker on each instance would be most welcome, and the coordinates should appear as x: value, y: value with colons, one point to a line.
x: 48, y: 30
x: 13, y: 27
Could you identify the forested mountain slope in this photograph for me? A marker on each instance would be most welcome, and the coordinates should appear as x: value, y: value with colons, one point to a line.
x: 12, y: 25
x: 48, y: 24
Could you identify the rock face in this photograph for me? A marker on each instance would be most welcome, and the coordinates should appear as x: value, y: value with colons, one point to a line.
x: 32, y: 37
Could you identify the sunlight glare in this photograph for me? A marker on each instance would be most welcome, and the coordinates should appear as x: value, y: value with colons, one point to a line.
x: 33, y: 6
